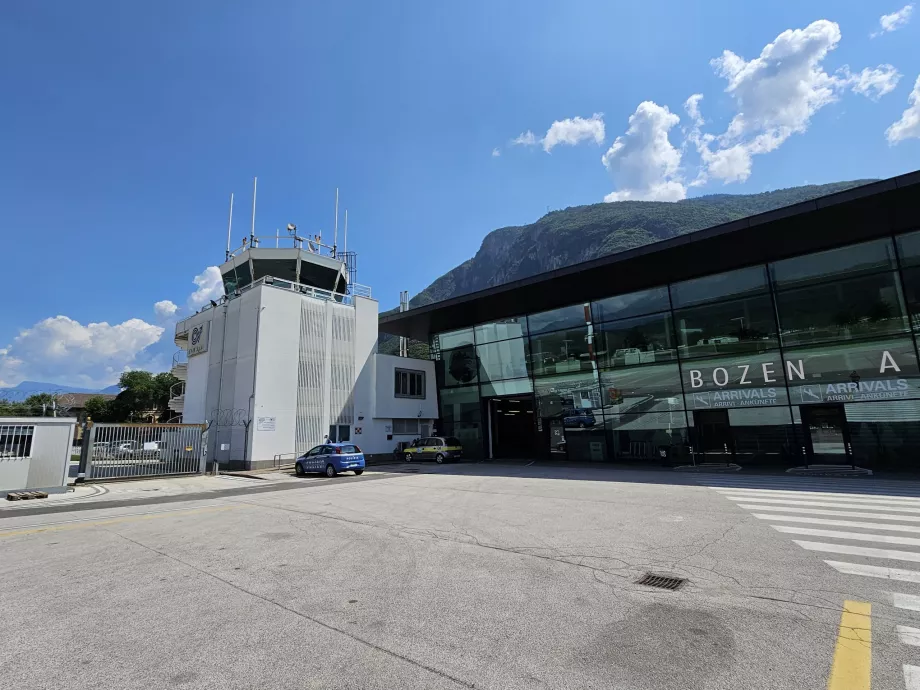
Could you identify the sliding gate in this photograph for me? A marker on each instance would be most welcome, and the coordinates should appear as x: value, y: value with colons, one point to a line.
x: 143, y: 450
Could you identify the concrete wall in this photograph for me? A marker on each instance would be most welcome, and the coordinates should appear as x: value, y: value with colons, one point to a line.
x: 48, y: 463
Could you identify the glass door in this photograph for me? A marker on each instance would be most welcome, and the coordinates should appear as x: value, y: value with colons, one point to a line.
x: 826, y: 433
x: 714, y: 435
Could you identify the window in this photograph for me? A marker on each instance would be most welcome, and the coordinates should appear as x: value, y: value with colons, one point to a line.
x: 633, y: 304
x: 501, y: 330
x: 16, y: 442
x: 647, y: 389
x: 557, y: 319
x: 739, y: 325
x: 640, y: 340
x: 710, y: 288
x: 752, y: 380
x: 339, y: 433
x: 560, y: 352
x: 506, y: 359
x: 858, y: 258
x: 406, y: 427
x: 409, y: 383
x: 911, y: 278
x: 459, y: 366
x: 843, y: 310
x: 453, y: 339
x: 909, y: 248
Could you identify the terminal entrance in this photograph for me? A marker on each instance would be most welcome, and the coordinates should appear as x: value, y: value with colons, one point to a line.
x: 827, y: 437
x: 714, y: 435
x: 511, y: 427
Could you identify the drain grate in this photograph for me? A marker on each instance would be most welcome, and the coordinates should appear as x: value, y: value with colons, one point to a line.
x: 661, y: 581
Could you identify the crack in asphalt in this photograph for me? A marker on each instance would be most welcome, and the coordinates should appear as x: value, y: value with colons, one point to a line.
x: 300, y: 614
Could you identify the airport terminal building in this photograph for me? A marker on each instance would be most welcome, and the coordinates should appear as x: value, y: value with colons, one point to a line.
x: 781, y: 339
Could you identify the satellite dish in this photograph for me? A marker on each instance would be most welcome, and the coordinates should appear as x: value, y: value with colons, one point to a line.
x: 291, y: 228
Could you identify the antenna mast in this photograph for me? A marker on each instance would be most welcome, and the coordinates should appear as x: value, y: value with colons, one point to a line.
x: 229, y: 227
x: 345, y: 241
x: 335, y: 232
x: 252, y: 230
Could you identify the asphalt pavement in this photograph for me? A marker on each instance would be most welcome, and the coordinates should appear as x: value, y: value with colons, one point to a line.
x: 476, y: 576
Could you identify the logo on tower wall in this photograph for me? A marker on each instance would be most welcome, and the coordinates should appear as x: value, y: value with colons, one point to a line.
x: 198, y: 339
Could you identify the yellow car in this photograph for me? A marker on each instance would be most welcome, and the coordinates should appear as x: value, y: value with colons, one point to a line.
x: 437, y: 448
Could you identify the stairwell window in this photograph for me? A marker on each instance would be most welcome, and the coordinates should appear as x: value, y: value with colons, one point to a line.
x: 410, y: 383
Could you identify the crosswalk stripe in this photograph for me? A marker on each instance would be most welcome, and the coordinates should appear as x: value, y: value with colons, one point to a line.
x: 825, y: 504
x: 875, y: 571
x: 890, y: 554
x: 853, y: 536
x: 832, y: 513
x: 897, y: 489
x: 819, y: 495
x: 908, y: 635
x: 905, y: 601
x: 839, y: 523
x: 911, y: 677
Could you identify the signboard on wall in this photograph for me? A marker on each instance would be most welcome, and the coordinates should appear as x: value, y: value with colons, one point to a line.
x: 198, y: 339
x: 265, y: 423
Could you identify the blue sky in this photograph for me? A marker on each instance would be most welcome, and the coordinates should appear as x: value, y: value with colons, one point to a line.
x: 127, y: 125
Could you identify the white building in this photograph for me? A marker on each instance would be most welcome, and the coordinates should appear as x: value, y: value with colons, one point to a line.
x: 288, y: 357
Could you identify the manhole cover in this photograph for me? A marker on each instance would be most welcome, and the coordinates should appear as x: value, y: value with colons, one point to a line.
x: 661, y: 581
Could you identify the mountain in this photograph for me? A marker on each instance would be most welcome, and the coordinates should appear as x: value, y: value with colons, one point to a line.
x: 24, y: 389
x: 581, y: 233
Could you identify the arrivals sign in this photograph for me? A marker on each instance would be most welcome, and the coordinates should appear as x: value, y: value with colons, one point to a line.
x: 839, y: 373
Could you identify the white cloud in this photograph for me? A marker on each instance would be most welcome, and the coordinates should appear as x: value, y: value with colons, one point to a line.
x: 496, y: 153
x: 894, y: 21
x: 164, y: 309
x: 61, y: 350
x: 574, y: 130
x: 643, y: 162
x: 209, y: 286
x: 692, y: 106
x: 908, y: 127
x: 525, y: 139
x: 875, y: 83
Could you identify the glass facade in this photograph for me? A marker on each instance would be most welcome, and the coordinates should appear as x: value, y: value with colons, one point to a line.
x: 812, y: 359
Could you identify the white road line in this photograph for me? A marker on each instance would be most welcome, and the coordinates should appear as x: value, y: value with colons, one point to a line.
x: 853, y: 536
x: 890, y: 554
x: 875, y: 571
x: 820, y: 495
x: 908, y: 635
x: 832, y: 513
x: 912, y: 491
x: 911, y: 677
x: 825, y: 504
x: 909, y: 602
x: 839, y: 523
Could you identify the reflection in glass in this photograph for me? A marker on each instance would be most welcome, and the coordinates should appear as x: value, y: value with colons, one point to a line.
x: 501, y: 330
x: 243, y: 275
x: 633, y: 304
x: 640, y: 340
x: 460, y: 417
x: 909, y: 248
x: 853, y: 372
x: 745, y: 281
x: 641, y: 389
x: 887, y: 434
x: 496, y: 389
x: 506, y: 359
x: 763, y: 435
x: 742, y: 325
x: 856, y: 308
x: 454, y: 339
x: 911, y: 278
x: 560, y: 352
x: 658, y: 437
x: 557, y: 319
x: 877, y: 255
x: 460, y: 366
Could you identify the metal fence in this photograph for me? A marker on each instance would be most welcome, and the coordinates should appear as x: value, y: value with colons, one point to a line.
x: 144, y: 450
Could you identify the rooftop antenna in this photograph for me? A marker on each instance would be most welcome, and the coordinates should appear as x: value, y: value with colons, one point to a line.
x: 345, y: 241
x: 335, y: 232
x: 252, y: 230
x: 229, y: 227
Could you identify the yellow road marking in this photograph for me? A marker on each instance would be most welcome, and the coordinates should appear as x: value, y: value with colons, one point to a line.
x: 852, y: 667
x: 112, y: 521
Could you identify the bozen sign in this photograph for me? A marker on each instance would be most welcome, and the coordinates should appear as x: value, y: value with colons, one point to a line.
x: 746, y: 385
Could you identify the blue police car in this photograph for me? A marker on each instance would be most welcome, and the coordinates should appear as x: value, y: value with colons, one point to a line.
x: 330, y: 459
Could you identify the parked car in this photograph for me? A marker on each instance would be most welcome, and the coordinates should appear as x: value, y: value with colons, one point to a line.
x: 330, y: 459
x: 437, y: 448
x: 579, y: 418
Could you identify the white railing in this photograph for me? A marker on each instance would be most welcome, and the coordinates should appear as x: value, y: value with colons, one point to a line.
x: 309, y: 244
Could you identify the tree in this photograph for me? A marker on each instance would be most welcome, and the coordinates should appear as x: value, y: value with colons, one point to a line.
x: 99, y: 409
x: 143, y: 394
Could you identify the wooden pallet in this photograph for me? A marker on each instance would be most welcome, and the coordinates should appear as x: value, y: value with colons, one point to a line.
x: 25, y: 495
